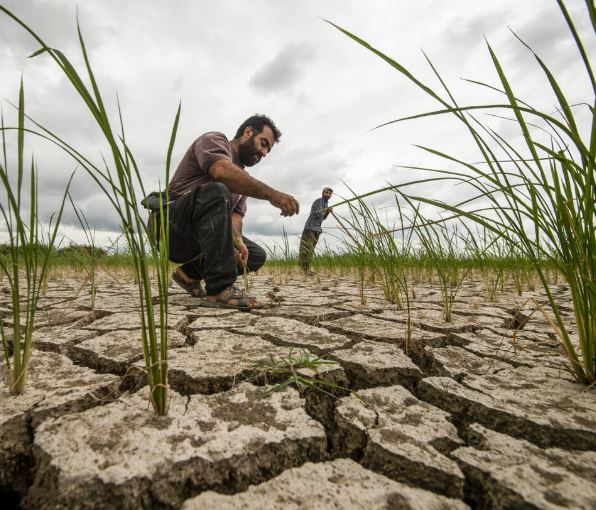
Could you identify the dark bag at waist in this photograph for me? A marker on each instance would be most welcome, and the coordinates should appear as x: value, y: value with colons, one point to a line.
x: 152, y: 200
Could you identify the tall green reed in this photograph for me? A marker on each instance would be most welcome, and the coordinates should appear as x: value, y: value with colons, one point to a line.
x: 356, y: 232
x: 29, y: 247
x: 548, y: 186
x: 89, y: 254
x: 119, y: 184
x: 489, y: 252
x: 442, y: 244
x: 379, y: 252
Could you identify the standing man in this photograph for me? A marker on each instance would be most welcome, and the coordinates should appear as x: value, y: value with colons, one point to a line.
x: 208, y: 192
x: 312, y: 229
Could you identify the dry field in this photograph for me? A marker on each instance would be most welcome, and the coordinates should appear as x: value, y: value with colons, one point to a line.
x: 461, y: 416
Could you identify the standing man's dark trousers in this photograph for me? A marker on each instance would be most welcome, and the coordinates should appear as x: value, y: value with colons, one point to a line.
x: 201, y: 238
x: 308, y: 243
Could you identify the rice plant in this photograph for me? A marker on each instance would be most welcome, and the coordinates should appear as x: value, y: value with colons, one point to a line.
x: 488, y: 252
x: 441, y: 245
x: 29, y: 247
x: 357, y: 248
x: 120, y: 184
x: 91, y: 252
x: 548, y: 186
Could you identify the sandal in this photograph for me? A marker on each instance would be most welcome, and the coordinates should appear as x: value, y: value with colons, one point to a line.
x: 191, y: 288
x: 244, y: 301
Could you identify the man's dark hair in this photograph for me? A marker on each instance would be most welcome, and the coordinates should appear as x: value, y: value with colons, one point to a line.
x: 258, y: 122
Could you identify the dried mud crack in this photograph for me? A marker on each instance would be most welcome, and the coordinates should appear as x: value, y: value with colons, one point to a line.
x: 460, y: 414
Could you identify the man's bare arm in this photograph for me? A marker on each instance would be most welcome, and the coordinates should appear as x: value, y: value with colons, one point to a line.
x: 237, y: 227
x: 240, y: 182
x: 242, y: 250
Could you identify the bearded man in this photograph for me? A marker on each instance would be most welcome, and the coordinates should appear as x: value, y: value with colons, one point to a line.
x: 208, y: 192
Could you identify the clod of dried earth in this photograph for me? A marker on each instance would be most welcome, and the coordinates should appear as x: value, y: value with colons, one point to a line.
x: 59, y: 338
x: 291, y: 297
x: 217, y: 361
x: 534, y: 404
x: 327, y: 485
x: 132, y: 321
x: 312, y: 315
x: 429, y: 318
x: 371, y: 328
x: 58, y: 317
x: 54, y: 387
x: 511, y: 473
x: 122, y: 456
x: 371, y: 307
x: 224, y: 321
x: 117, y: 350
x: 499, y: 344
x: 458, y: 363
x: 401, y: 437
x: 370, y: 363
x: 293, y: 333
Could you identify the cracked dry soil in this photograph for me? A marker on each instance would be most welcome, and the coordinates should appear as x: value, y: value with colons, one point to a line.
x: 461, y: 416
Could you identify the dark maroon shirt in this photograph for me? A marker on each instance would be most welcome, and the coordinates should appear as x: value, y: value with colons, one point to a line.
x: 193, y: 170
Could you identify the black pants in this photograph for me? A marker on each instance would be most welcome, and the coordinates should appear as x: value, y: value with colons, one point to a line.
x: 308, y: 243
x: 201, y: 238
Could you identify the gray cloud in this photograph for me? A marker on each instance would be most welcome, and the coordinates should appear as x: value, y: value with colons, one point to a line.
x: 550, y: 39
x: 304, y: 169
x: 262, y: 229
x: 467, y: 31
x: 96, y: 210
x: 324, y: 93
x: 284, y: 70
x: 54, y: 22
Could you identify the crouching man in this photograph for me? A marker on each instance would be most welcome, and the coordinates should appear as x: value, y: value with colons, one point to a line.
x: 209, y: 191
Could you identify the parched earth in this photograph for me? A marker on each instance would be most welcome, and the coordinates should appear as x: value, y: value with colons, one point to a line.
x: 471, y: 413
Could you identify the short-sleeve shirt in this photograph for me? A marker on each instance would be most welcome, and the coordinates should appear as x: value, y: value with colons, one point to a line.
x: 193, y: 169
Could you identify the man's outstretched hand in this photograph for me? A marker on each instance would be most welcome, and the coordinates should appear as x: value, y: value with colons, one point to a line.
x: 287, y: 203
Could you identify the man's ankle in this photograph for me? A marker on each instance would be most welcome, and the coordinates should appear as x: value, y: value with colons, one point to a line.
x: 184, y: 276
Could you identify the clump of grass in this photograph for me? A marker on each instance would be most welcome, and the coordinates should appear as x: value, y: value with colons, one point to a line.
x: 548, y: 186
x: 293, y: 369
x: 29, y: 248
x: 119, y: 184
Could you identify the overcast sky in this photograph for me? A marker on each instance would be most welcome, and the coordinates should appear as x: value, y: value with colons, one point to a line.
x: 225, y: 60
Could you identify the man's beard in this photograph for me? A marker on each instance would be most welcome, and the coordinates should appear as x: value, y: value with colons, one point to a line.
x: 248, y: 153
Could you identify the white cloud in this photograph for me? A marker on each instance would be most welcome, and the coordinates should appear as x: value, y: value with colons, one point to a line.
x: 226, y: 60
x: 284, y: 72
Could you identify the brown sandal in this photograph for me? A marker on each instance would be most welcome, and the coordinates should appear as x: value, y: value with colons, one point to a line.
x: 191, y: 288
x: 232, y: 293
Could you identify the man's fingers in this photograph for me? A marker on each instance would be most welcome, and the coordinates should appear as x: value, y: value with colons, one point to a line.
x: 288, y: 205
x: 241, y: 254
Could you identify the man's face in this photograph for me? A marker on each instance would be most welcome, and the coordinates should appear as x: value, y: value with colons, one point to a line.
x: 254, y: 147
x: 327, y: 194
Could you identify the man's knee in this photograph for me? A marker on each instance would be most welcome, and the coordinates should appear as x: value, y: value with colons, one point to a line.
x: 213, y: 190
x: 256, y: 257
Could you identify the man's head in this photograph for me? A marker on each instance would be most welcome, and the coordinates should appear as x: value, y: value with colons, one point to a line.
x: 256, y: 137
x: 327, y: 192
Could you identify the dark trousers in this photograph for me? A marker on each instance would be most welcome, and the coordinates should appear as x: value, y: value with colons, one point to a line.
x: 308, y: 243
x: 201, y: 238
